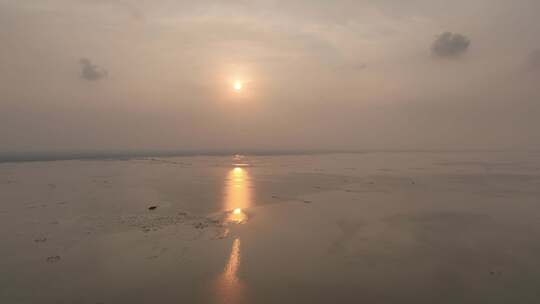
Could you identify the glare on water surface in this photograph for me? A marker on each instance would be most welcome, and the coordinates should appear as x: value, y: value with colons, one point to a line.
x: 237, y: 194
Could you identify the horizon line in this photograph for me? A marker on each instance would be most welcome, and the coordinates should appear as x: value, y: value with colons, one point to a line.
x: 29, y: 156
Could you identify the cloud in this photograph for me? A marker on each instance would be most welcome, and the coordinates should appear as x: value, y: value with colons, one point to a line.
x: 449, y: 44
x: 90, y: 71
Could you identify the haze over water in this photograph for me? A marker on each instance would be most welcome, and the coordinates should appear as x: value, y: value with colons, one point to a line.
x: 133, y: 75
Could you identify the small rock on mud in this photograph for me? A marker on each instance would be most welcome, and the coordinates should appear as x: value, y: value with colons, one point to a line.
x: 53, y: 259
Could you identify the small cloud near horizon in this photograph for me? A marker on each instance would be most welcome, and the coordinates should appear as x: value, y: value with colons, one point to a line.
x: 90, y: 71
x: 450, y: 45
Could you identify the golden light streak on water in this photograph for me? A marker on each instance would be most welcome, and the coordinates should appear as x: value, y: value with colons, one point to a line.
x: 229, y: 288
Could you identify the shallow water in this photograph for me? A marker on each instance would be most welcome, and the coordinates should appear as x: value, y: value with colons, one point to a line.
x: 371, y: 227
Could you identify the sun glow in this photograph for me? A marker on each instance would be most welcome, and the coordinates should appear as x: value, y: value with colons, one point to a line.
x: 238, y: 86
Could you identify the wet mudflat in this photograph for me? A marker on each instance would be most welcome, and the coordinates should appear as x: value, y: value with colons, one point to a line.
x: 349, y: 228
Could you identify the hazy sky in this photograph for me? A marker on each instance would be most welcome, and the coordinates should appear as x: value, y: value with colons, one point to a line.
x: 357, y: 74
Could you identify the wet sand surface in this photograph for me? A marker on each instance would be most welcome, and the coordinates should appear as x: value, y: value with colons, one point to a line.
x: 405, y: 227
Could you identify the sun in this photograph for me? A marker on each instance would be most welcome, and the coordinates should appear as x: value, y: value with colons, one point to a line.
x: 237, y: 85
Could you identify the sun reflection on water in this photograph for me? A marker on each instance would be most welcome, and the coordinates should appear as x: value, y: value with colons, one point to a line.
x: 229, y: 286
x: 237, y: 194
